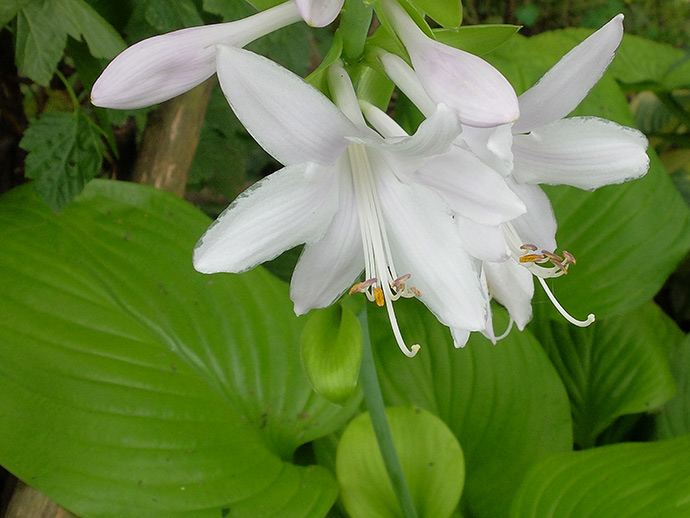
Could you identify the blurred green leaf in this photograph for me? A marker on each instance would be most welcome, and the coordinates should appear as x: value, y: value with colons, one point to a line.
x: 332, y: 352
x: 448, y: 13
x: 63, y: 156
x: 429, y: 454
x: 674, y: 420
x: 614, y: 367
x: 623, y: 480
x: 477, y: 39
x: 9, y: 9
x: 42, y: 29
x: 169, y: 16
x: 133, y: 386
x: 505, y: 403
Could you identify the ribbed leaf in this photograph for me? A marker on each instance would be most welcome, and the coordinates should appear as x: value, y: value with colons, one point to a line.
x: 504, y: 403
x: 624, y: 480
x: 674, y: 420
x: 132, y: 386
x: 616, y: 366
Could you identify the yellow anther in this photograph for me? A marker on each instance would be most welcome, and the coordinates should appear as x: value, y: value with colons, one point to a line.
x: 378, y: 296
x: 531, y: 258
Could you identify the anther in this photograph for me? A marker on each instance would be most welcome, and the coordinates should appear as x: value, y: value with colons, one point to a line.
x: 378, y: 296
x: 531, y: 258
x: 569, y: 258
x: 361, y: 287
x: 415, y: 292
x: 399, y: 283
x: 527, y: 246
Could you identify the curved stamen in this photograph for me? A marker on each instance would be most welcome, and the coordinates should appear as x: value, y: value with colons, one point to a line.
x: 562, y: 311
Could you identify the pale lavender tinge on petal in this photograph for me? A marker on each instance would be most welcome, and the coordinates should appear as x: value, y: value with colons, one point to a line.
x: 585, y: 152
x: 319, y: 13
x: 292, y: 206
x: 288, y: 117
x: 563, y: 87
x: 331, y: 265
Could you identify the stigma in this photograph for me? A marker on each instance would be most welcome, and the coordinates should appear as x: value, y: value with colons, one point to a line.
x: 382, y: 284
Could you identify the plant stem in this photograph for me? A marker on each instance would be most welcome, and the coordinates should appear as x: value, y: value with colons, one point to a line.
x: 377, y: 412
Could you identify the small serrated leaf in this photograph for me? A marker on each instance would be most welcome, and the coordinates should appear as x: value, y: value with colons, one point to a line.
x: 40, y: 41
x: 169, y: 16
x: 63, y: 156
x: 81, y: 20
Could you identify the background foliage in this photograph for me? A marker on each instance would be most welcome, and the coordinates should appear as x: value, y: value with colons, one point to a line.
x: 130, y: 385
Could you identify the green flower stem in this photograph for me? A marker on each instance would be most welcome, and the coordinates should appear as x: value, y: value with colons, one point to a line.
x: 377, y: 412
x: 355, y: 21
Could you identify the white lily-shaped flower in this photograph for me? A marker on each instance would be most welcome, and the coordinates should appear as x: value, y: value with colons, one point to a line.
x: 165, y: 66
x: 478, y: 92
x: 319, y: 13
x: 544, y: 147
x: 345, y: 193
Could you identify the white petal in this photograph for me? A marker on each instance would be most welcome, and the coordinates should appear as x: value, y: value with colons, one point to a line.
x: 471, y: 188
x: 584, y: 152
x: 538, y: 225
x: 319, y: 13
x: 482, y: 241
x: 288, y: 117
x: 435, y: 135
x: 426, y: 244
x: 160, y: 68
x: 405, y: 78
x: 512, y: 286
x: 330, y: 266
x: 492, y: 145
x: 466, y: 83
x: 460, y: 337
x: 292, y: 206
x: 569, y: 81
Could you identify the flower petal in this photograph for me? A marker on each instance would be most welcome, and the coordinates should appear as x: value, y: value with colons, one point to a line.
x: 513, y: 287
x: 584, y: 152
x: 331, y: 265
x: 563, y: 87
x: 492, y: 145
x: 466, y: 83
x: 160, y: 68
x: 288, y: 117
x: 292, y: 206
x: 483, y: 241
x: 425, y: 243
x: 471, y: 188
x: 538, y: 225
x: 319, y: 13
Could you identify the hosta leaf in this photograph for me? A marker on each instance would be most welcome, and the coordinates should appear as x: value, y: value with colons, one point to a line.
x: 63, y: 156
x: 623, y: 480
x: 674, y: 420
x: 429, y: 454
x: 132, y: 386
x: 448, y: 13
x: 504, y: 403
x: 616, y: 366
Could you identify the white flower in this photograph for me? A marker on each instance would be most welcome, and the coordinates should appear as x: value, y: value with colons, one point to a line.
x: 319, y: 13
x: 162, y: 67
x: 348, y: 194
x: 477, y: 91
x: 544, y: 147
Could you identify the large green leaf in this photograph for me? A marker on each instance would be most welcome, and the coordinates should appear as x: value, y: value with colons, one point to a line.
x: 674, y: 420
x: 504, y: 403
x: 607, y: 230
x: 132, y: 386
x: 623, y: 480
x: 616, y: 366
x: 430, y: 457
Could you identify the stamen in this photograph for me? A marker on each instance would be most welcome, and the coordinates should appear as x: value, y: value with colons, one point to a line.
x: 527, y: 246
x: 569, y: 258
x: 378, y: 296
x: 412, y: 351
x: 531, y: 258
x: 507, y: 331
x: 415, y: 291
x: 563, y: 312
x: 361, y: 287
x: 399, y: 283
